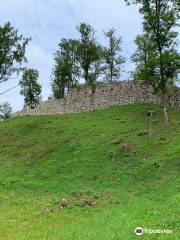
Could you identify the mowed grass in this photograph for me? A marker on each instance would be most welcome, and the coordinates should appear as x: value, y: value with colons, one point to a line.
x: 102, y: 163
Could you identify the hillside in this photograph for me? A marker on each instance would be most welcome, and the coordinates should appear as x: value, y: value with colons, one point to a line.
x: 101, y: 163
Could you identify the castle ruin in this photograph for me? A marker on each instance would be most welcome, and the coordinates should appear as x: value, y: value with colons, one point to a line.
x: 105, y: 96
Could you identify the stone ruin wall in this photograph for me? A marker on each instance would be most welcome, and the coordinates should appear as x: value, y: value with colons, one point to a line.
x: 105, y: 96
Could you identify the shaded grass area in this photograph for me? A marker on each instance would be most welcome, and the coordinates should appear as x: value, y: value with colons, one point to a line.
x: 102, y: 163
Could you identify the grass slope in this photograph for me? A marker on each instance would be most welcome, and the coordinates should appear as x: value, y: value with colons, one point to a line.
x: 102, y: 163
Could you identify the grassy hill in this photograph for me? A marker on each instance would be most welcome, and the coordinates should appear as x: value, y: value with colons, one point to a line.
x: 101, y: 163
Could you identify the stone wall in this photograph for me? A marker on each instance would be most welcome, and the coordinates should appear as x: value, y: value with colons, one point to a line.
x: 105, y: 96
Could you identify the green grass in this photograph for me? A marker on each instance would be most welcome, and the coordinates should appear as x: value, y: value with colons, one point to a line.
x: 102, y: 163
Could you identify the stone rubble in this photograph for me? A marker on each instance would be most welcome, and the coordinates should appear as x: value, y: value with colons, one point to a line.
x: 106, y: 95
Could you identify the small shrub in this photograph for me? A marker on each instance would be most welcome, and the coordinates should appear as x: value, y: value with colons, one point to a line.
x: 5, y: 111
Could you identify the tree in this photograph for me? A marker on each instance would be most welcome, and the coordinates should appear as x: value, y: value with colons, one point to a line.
x: 5, y: 111
x: 147, y: 62
x: 97, y: 67
x: 12, y: 52
x: 59, y: 81
x: 171, y: 63
x: 159, y: 19
x: 113, y: 59
x: 66, y: 71
x: 30, y: 88
x: 141, y: 56
x: 88, y: 51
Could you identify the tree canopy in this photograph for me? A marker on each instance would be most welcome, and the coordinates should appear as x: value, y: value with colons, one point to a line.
x: 88, y: 51
x: 66, y: 71
x: 30, y: 88
x: 12, y: 51
x: 112, y: 55
x: 159, y: 20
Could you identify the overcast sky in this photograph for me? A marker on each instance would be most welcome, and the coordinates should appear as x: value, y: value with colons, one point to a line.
x: 49, y: 21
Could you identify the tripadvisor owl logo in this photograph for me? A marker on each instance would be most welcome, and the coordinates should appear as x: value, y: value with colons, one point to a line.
x: 139, y: 231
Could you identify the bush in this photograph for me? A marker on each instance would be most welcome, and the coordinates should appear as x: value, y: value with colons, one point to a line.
x: 5, y: 111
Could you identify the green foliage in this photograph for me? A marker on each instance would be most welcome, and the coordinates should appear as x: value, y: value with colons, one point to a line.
x: 142, y: 57
x: 113, y: 59
x: 147, y: 62
x: 12, y: 51
x: 171, y: 63
x: 66, y: 71
x: 30, y: 88
x: 159, y: 20
x: 89, y: 53
x: 80, y: 157
x: 58, y: 78
x: 97, y: 68
x: 85, y: 58
x: 5, y: 111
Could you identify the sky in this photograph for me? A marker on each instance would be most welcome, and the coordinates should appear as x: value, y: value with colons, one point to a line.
x: 48, y: 21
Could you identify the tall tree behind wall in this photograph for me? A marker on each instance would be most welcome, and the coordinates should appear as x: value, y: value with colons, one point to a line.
x: 112, y: 56
x: 88, y: 52
x: 30, y: 88
x: 66, y: 72
x: 159, y: 19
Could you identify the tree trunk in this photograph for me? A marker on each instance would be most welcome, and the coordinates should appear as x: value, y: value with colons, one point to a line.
x: 111, y: 72
x: 163, y: 92
x: 164, y: 105
x: 161, y: 64
x: 86, y: 75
